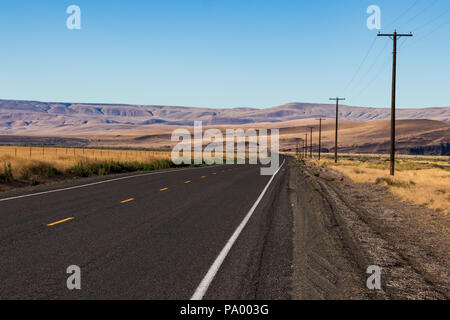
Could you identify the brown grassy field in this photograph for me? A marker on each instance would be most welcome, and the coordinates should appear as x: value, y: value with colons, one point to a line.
x: 29, y: 159
x: 422, y: 182
x: 370, y: 137
x: 21, y: 166
x: 354, y: 137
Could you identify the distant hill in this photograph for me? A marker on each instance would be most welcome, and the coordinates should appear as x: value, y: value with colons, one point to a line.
x: 363, y: 130
x: 46, y: 117
x: 412, y: 137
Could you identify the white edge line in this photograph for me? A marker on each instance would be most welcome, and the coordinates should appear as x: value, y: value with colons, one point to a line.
x: 209, y: 277
x: 99, y: 182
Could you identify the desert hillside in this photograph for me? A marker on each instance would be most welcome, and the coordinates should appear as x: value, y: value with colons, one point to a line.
x: 413, y: 136
x: 23, y: 117
x: 365, y: 130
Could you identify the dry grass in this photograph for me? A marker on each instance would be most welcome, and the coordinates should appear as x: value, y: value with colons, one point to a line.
x: 437, y: 160
x: 423, y: 183
x: 24, y: 158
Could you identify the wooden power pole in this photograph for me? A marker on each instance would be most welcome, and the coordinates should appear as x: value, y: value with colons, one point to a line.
x: 320, y: 134
x: 310, y: 142
x: 394, y: 36
x: 337, y: 99
x: 306, y: 145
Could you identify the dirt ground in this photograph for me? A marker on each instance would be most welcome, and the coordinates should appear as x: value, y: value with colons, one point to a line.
x: 341, y: 228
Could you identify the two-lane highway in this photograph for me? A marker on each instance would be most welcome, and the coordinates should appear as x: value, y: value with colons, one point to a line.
x: 147, y: 236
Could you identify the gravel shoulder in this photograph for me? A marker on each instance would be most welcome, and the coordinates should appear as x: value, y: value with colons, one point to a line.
x: 341, y: 228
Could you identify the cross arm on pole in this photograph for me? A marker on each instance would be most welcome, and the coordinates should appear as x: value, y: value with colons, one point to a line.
x: 398, y: 35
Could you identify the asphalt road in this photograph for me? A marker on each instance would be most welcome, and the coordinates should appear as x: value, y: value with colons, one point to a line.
x: 151, y: 236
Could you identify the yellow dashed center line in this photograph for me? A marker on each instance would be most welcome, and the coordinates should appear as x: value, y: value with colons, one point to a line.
x: 163, y: 189
x: 128, y: 200
x: 60, y: 221
x: 189, y: 181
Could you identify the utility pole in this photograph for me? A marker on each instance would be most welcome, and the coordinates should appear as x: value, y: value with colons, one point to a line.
x: 320, y: 134
x: 303, y: 149
x: 395, y: 36
x: 311, y: 143
x: 337, y: 99
x: 306, y: 145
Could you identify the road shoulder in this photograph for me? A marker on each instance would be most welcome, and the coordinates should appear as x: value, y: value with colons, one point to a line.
x: 346, y: 227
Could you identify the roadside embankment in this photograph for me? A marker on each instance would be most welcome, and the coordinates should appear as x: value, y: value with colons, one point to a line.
x: 343, y: 227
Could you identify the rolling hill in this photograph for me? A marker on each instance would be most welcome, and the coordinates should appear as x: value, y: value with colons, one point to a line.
x: 365, y: 130
x: 31, y: 117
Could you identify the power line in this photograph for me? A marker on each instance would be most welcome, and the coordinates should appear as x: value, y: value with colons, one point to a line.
x: 424, y: 25
x: 404, y: 12
x: 372, y: 45
x: 402, y: 43
x: 377, y: 75
x: 421, y: 12
x: 361, y: 64
x: 431, y: 21
x: 371, y: 68
x: 420, y: 39
x: 363, y: 77
x: 434, y: 30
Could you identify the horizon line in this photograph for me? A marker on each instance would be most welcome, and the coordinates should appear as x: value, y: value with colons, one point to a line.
x: 209, y: 107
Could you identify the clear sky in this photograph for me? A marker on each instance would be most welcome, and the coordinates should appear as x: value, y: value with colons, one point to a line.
x: 224, y: 53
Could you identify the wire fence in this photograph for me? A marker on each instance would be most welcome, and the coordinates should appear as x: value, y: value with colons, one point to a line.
x: 67, y: 156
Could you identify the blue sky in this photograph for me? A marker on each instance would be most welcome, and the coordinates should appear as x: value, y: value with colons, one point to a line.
x: 224, y: 53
